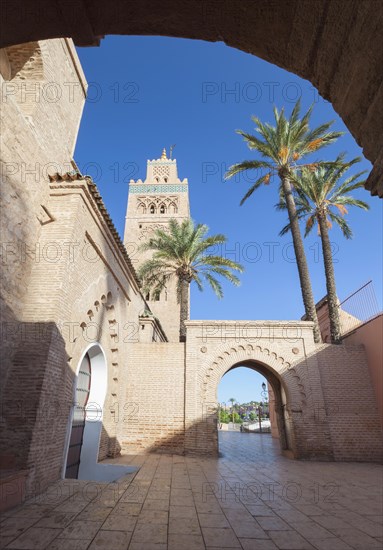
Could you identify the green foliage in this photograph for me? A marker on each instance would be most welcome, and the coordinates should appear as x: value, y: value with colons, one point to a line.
x: 182, y: 250
x: 237, y: 418
x: 324, y: 191
x: 282, y: 145
x: 224, y: 416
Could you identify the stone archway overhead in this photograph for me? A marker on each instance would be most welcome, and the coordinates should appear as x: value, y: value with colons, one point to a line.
x: 334, y: 44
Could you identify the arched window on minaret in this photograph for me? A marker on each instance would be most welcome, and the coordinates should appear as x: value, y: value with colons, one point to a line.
x: 162, y: 209
x: 141, y: 208
x: 152, y: 209
x: 172, y: 208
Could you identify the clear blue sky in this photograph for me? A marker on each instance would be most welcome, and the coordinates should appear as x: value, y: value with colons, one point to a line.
x: 147, y: 93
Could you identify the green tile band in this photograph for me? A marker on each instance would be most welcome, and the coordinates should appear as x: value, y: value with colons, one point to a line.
x: 158, y: 188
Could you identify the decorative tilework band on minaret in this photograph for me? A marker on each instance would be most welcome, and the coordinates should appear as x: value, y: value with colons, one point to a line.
x: 151, y: 204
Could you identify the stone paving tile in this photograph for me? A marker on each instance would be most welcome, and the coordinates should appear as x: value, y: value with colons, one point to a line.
x: 290, y: 540
x: 4, y: 541
x: 332, y: 522
x: 156, y: 534
x: 184, y: 542
x: 357, y: 539
x: 273, y: 524
x: 156, y: 517
x: 375, y: 519
x: 14, y: 526
x: 64, y: 544
x: 94, y: 513
x: 182, y: 512
x: 155, y: 494
x: 260, y: 510
x: 213, y: 520
x: 31, y: 511
x: 79, y: 529
x: 72, y: 507
x: 369, y: 527
x: 184, y: 526
x: 244, y: 499
x: 311, y: 530
x: 128, y: 509
x: 108, y: 540
x: 147, y: 546
x: 156, y: 505
x: 208, y: 507
x: 330, y: 544
x: 221, y: 538
x: 291, y: 515
x: 117, y: 522
x: 56, y: 520
x: 237, y: 515
x: 252, y: 544
x: 35, y: 538
x: 247, y: 529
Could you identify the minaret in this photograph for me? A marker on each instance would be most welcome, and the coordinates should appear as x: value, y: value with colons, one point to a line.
x: 151, y: 204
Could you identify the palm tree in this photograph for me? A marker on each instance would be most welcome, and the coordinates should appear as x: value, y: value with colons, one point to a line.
x: 232, y: 401
x: 283, y: 146
x: 181, y: 251
x: 321, y: 197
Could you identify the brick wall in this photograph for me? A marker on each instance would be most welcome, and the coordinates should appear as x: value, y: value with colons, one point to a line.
x: 154, y: 402
x: 356, y: 431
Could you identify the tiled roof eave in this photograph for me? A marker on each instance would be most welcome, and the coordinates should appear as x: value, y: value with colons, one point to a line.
x: 74, y: 176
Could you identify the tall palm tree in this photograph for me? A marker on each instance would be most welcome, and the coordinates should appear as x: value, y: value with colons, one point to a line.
x: 181, y: 251
x: 232, y: 401
x: 321, y: 197
x: 283, y: 146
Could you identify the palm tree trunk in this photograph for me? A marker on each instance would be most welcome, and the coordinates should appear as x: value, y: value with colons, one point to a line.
x: 332, y: 298
x: 184, y: 308
x: 304, y: 277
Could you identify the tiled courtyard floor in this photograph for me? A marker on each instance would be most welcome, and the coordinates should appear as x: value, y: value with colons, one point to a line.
x: 250, y: 498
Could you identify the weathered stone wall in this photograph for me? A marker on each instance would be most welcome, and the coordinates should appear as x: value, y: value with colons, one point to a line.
x: 312, y: 386
x: 154, y: 398
x: 80, y: 293
x: 351, y: 408
x: 38, y: 138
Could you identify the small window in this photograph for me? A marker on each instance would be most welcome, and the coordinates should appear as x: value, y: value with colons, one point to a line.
x: 162, y: 209
x: 152, y: 209
x: 147, y: 297
x: 140, y: 225
x: 166, y: 180
x: 156, y: 296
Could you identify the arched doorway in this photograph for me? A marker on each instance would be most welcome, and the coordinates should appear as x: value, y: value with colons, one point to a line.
x: 270, y: 403
x: 294, y: 403
x: 85, y: 426
x: 78, y: 421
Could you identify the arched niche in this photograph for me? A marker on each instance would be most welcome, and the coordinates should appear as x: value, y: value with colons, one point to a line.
x: 83, y: 442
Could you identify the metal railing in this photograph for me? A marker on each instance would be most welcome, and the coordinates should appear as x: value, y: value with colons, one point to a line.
x: 358, y: 308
